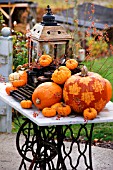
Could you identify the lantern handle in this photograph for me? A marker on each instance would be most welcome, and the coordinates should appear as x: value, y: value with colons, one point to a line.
x: 48, y: 10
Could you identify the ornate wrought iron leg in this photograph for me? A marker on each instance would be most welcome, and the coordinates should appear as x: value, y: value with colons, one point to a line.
x: 61, y: 147
x: 60, y: 138
x: 23, y: 150
x: 90, y: 143
x: 81, y: 152
x: 39, y: 142
x: 47, y: 148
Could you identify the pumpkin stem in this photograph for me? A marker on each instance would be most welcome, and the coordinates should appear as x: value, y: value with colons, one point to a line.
x: 63, y: 104
x: 84, y: 71
x: 18, y: 68
x: 90, y: 110
x: 37, y: 101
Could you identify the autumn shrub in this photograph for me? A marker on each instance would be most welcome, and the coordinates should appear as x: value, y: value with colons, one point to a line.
x: 20, y: 50
x: 96, y: 48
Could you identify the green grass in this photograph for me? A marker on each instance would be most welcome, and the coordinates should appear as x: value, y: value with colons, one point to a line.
x: 103, y: 131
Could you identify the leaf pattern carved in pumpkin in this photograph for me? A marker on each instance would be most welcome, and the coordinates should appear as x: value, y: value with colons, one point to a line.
x: 78, y: 107
x: 100, y: 104
x: 85, y: 80
x: 87, y: 97
x: 98, y: 86
x: 74, y: 89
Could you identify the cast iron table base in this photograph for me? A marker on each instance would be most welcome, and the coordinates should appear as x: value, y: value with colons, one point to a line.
x: 44, y: 146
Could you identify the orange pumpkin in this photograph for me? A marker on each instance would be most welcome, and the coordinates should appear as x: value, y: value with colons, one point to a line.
x: 45, y: 60
x: 71, y: 64
x: 86, y: 89
x: 56, y: 105
x: 23, y: 76
x: 63, y: 109
x: 16, y: 75
x: 47, y: 94
x: 49, y: 112
x: 8, y: 89
x: 109, y: 90
x: 18, y: 83
x: 22, y: 80
x: 61, y: 74
x: 89, y: 113
x: 26, y: 104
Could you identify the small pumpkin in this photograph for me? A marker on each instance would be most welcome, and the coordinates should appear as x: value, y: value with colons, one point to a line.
x: 26, y: 104
x: 49, y: 112
x: 15, y: 76
x: 23, y: 76
x: 8, y: 89
x: 18, y: 83
x: 63, y: 109
x: 46, y: 94
x: 61, y: 74
x: 22, y: 80
x: 56, y: 105
x: 86, y: 89
x: 71, y: 64
x: 45, y: 60
x: 89, y: 113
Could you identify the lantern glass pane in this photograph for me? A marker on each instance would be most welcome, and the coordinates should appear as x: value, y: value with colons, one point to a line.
x: 54, y: 49
x: 60, y: 50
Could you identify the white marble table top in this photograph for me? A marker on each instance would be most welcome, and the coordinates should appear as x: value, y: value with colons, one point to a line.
x: 106, y: 115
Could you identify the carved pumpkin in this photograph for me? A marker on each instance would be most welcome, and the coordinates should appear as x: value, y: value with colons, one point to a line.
x: 86, y: 89
x: 61, y: 74
x: 89, y: 113
x: 63, y: 109
x: 71, y: 64
x: 49, y: 112
x: 26, y: 104
x: 8, y: 89
x: 47, y: 94
x: 45, y: 60
x: 109, y: 90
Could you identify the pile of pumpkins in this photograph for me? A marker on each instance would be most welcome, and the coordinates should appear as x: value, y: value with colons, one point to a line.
x: 84, y: 93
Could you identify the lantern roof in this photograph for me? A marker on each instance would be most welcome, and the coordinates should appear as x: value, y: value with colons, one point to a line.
x: 49, y: 29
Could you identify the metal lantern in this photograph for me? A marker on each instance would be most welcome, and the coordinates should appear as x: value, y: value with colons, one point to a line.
x: 48, y: 37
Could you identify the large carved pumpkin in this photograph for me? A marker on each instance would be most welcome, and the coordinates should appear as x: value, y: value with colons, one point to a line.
x: 87, y: 89
x: 46, y: 94
x: 109, y: 90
